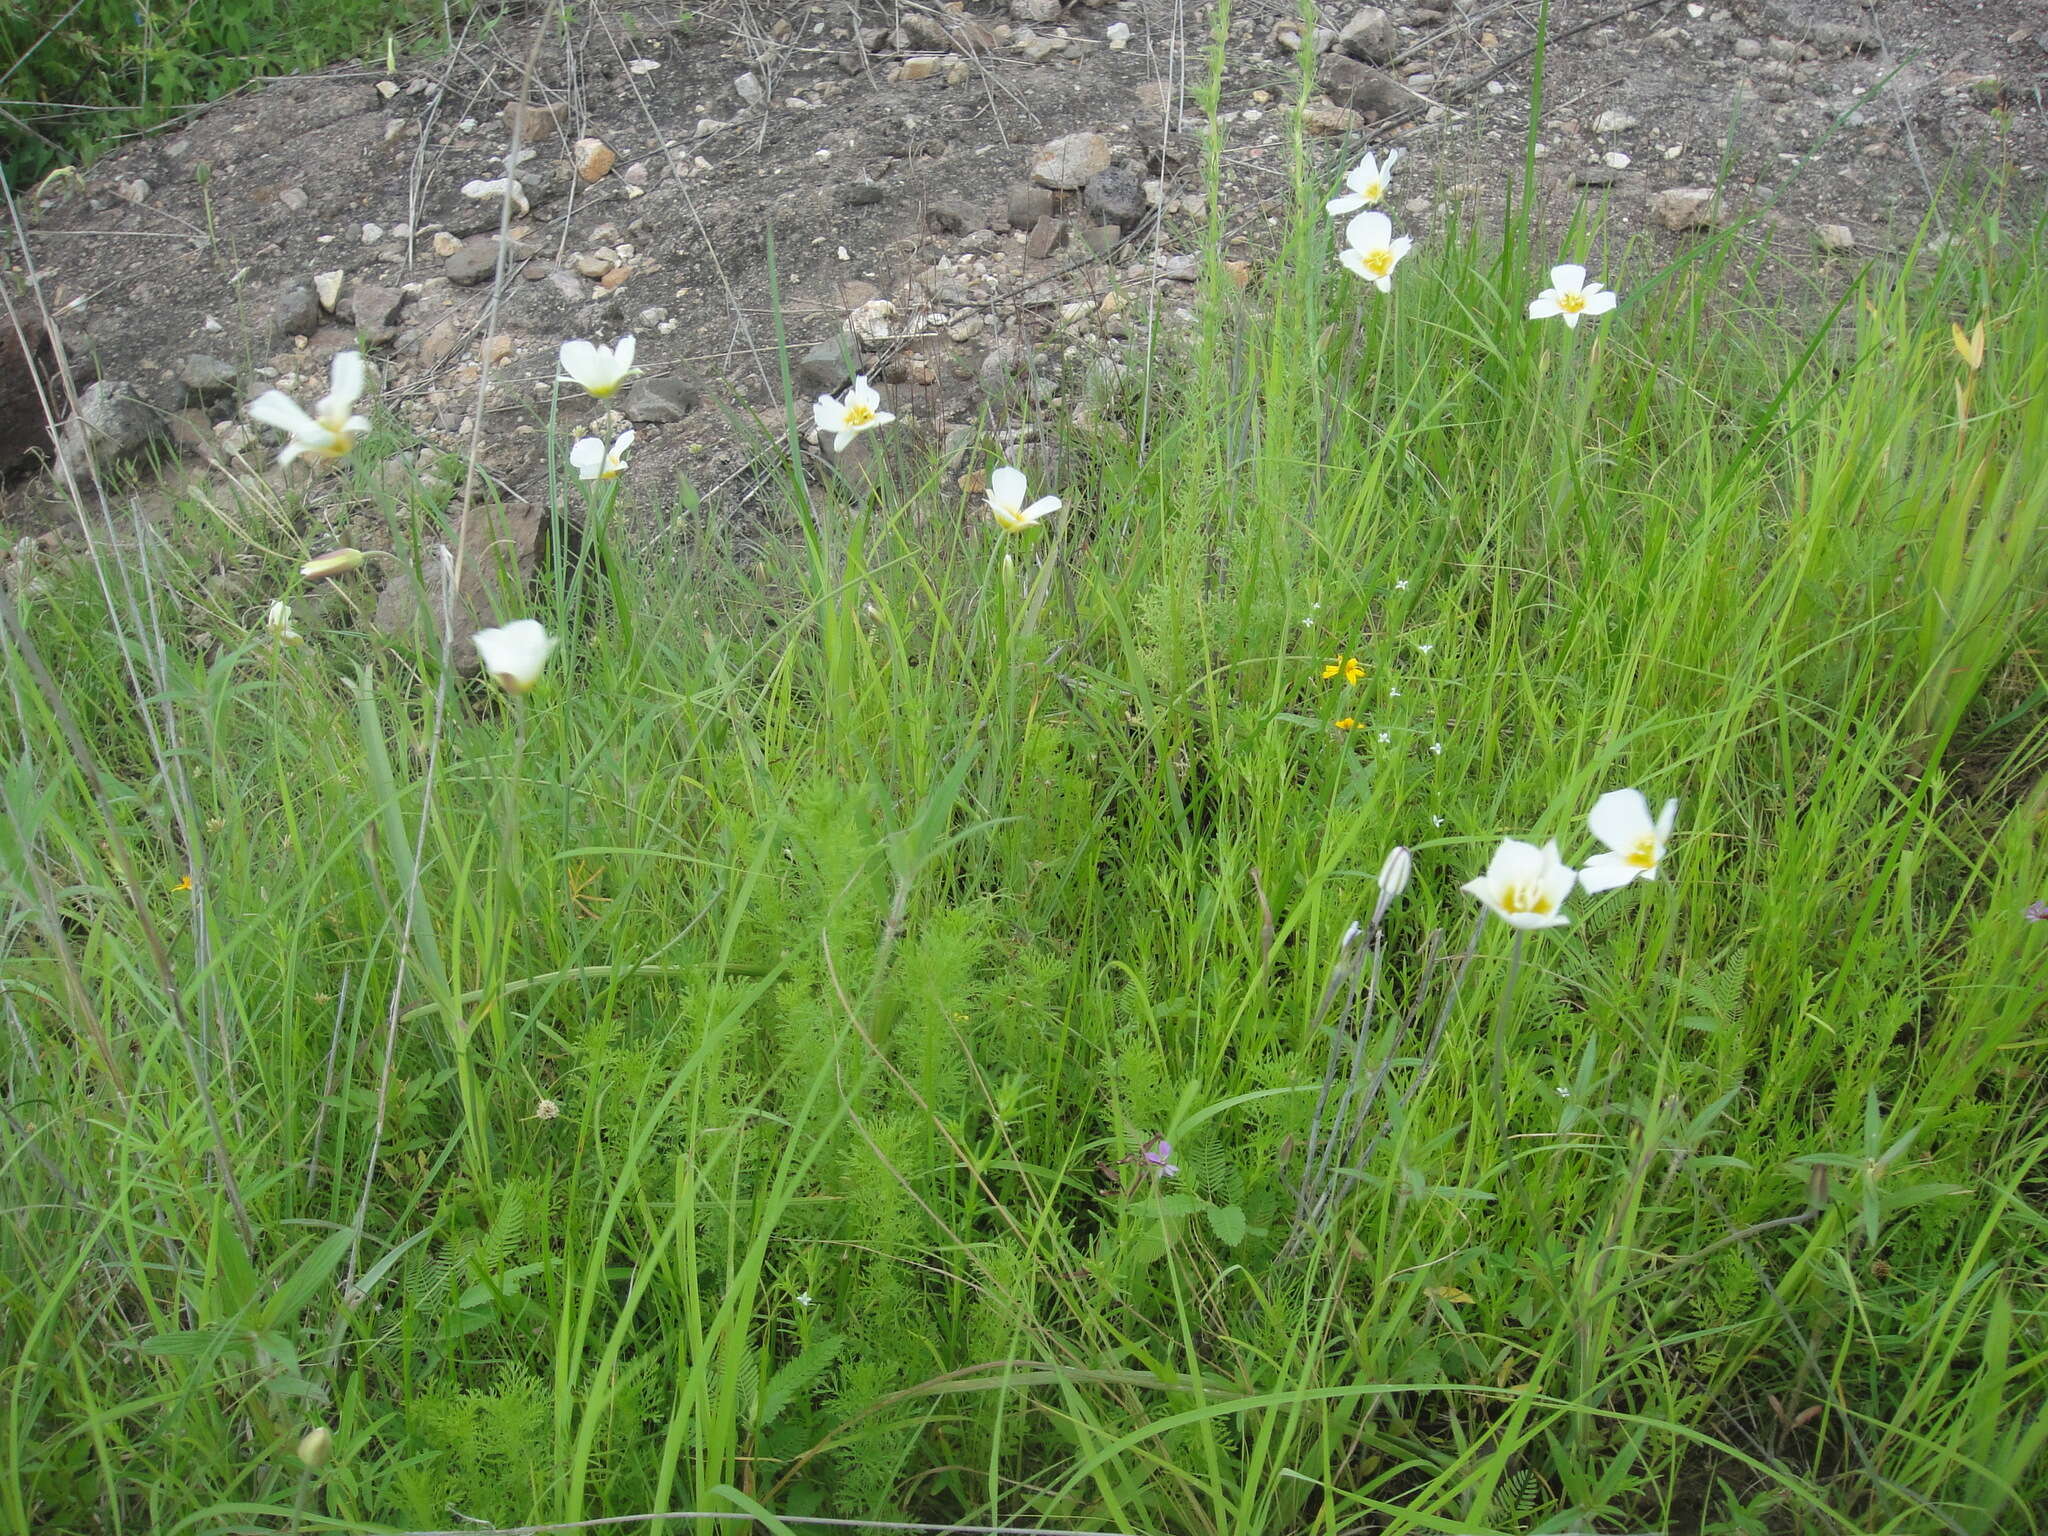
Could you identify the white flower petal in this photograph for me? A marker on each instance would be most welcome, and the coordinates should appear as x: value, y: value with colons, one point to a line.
x: 514, y: 654
x: 1544, y: 306
x: 345, y: 378
x: 1369, y: 231
x: 579, y: 361
x: 275, y: 408
x: 864, y: 393
x: 1350, y: 202
x: 1045, y: 506
x: 829, y: 414
x: 1621, y: 819
x: 1600, y: 303
x: 1567, y: 279
x: 1007, y: 488
x: 587, y: 456
x: 622, y: 354
x: 1571, y: 319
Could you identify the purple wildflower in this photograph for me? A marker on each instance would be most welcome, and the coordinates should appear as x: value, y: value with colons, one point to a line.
x: 2037, y: 912
x: 1158, y: 1154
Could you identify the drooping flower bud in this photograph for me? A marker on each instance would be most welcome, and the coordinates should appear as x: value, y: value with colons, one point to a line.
x: 316, y: 1446
x: 334, y: 563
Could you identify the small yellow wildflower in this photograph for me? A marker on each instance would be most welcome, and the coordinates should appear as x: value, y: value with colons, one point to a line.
x: 184, y: 884
x: 1349, y: 667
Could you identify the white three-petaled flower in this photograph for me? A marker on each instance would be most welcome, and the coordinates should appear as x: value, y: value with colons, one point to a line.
x: 1006, y: 501
x: 1569, y: 296
x: 1366, y: 185
x: 1635, y: 844
x: 1371, y: 250
x: 846, y: 419
x: 594, y: 461
x: 333, y: 427
x: 1525, y: 886
x: 599, y: 370
x: 515, y: 654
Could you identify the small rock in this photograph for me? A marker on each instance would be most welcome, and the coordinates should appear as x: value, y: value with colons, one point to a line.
x: 922, y: 67
x: 1835, y: 237
x: 477, y: 261
x: 635, y: 175
x: 134, y: 191
x: 1115, y: 196
x: 1683, y: 208
x: 536, y: 120
x: 298, y: 310
x: 1069, y: 162
x: 967, y: 327
x: 499, y: 560
x: 1005, y: 371
x: 830, y: 365
x: 206, y: 379
x: 862, y: 194
x: 1027, y: 204
x: 494, y: 191
x: 1370, y: 36
x: 1101, y: 238
x: 112, y: 423
x: 445, y: 244
x: 661, y: 401
x: 327, y: 286
x: 591, y: 264
x: 1118, y: 34
x: 1353, y: 85
x: 951, y: 216
x: 375, y: 311
x: 372, y: 233
x: 496, y: 349
x: 1035, y: 10
x: 387, y: 89
x: 871, y: 321
x: 1615, y: 160
x: 1748, y: 48
x: 1591, y: 176
x: 748, y: 88
x: 293, y: 198
x: 592, y: 159
x: 1613, y: 120
x: 1046, y: 237
x: 1321, y: 117
x: 439, y: 344
x: 1182, y: 268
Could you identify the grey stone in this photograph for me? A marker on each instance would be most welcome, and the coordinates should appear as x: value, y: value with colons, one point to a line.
x: 862, y: 194
x: 1069, y: 162
x: 1683, y: 208
x: 1748, y: 48
x: 663, y: 400
x: 1005, y: 371
x: 113, y: 423
x: 1835, y: 237
x: 1101, y: 238
x: 830, y: 365
x: 1027, y: 204
x: 206, y: 379
x: 1595, y: 176
x: 1354, y: 85
x: 1047, y: 235
x: 951, y: 216
x: 1035, y: 10
x: 375, y: 310
x: 298, y: 310
x: 477, y: 261
x: 1115, y: 196
x: 1370, y: 36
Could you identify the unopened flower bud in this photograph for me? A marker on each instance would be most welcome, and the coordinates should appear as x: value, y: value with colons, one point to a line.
x: 334, y: 563
x: 1394, y: 873
x: 316, y: 1446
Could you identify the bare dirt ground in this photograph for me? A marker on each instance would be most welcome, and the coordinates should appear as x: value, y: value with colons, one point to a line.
x: 887, y: 152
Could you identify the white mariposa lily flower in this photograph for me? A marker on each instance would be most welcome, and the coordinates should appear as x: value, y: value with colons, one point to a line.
x: 1525, y: 886
x: 1371, y: 249
x: 336, y: 562
x: 1571, y: 296
x: 1635, y: 844
x: 1006, y: 501
x: 278, y: 620
x: 333, y: 427
x: 514, y: 654
x: 598, y: 370
x: 1367, y: 184
x: 859, y: 412
x: 594, y: 461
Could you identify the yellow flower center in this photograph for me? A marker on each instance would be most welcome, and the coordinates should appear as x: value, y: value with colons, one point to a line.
x: 1571, y: 303
x: 601, y: 390
x: 1643, y: 855
x: 1380, y: 262
x: 859, y: 416
x: 1524, y: 898
x: 1374, y: 191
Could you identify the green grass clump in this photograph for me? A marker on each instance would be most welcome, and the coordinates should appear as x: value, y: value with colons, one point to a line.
x: 101, y: 69
x: 865, y: 904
